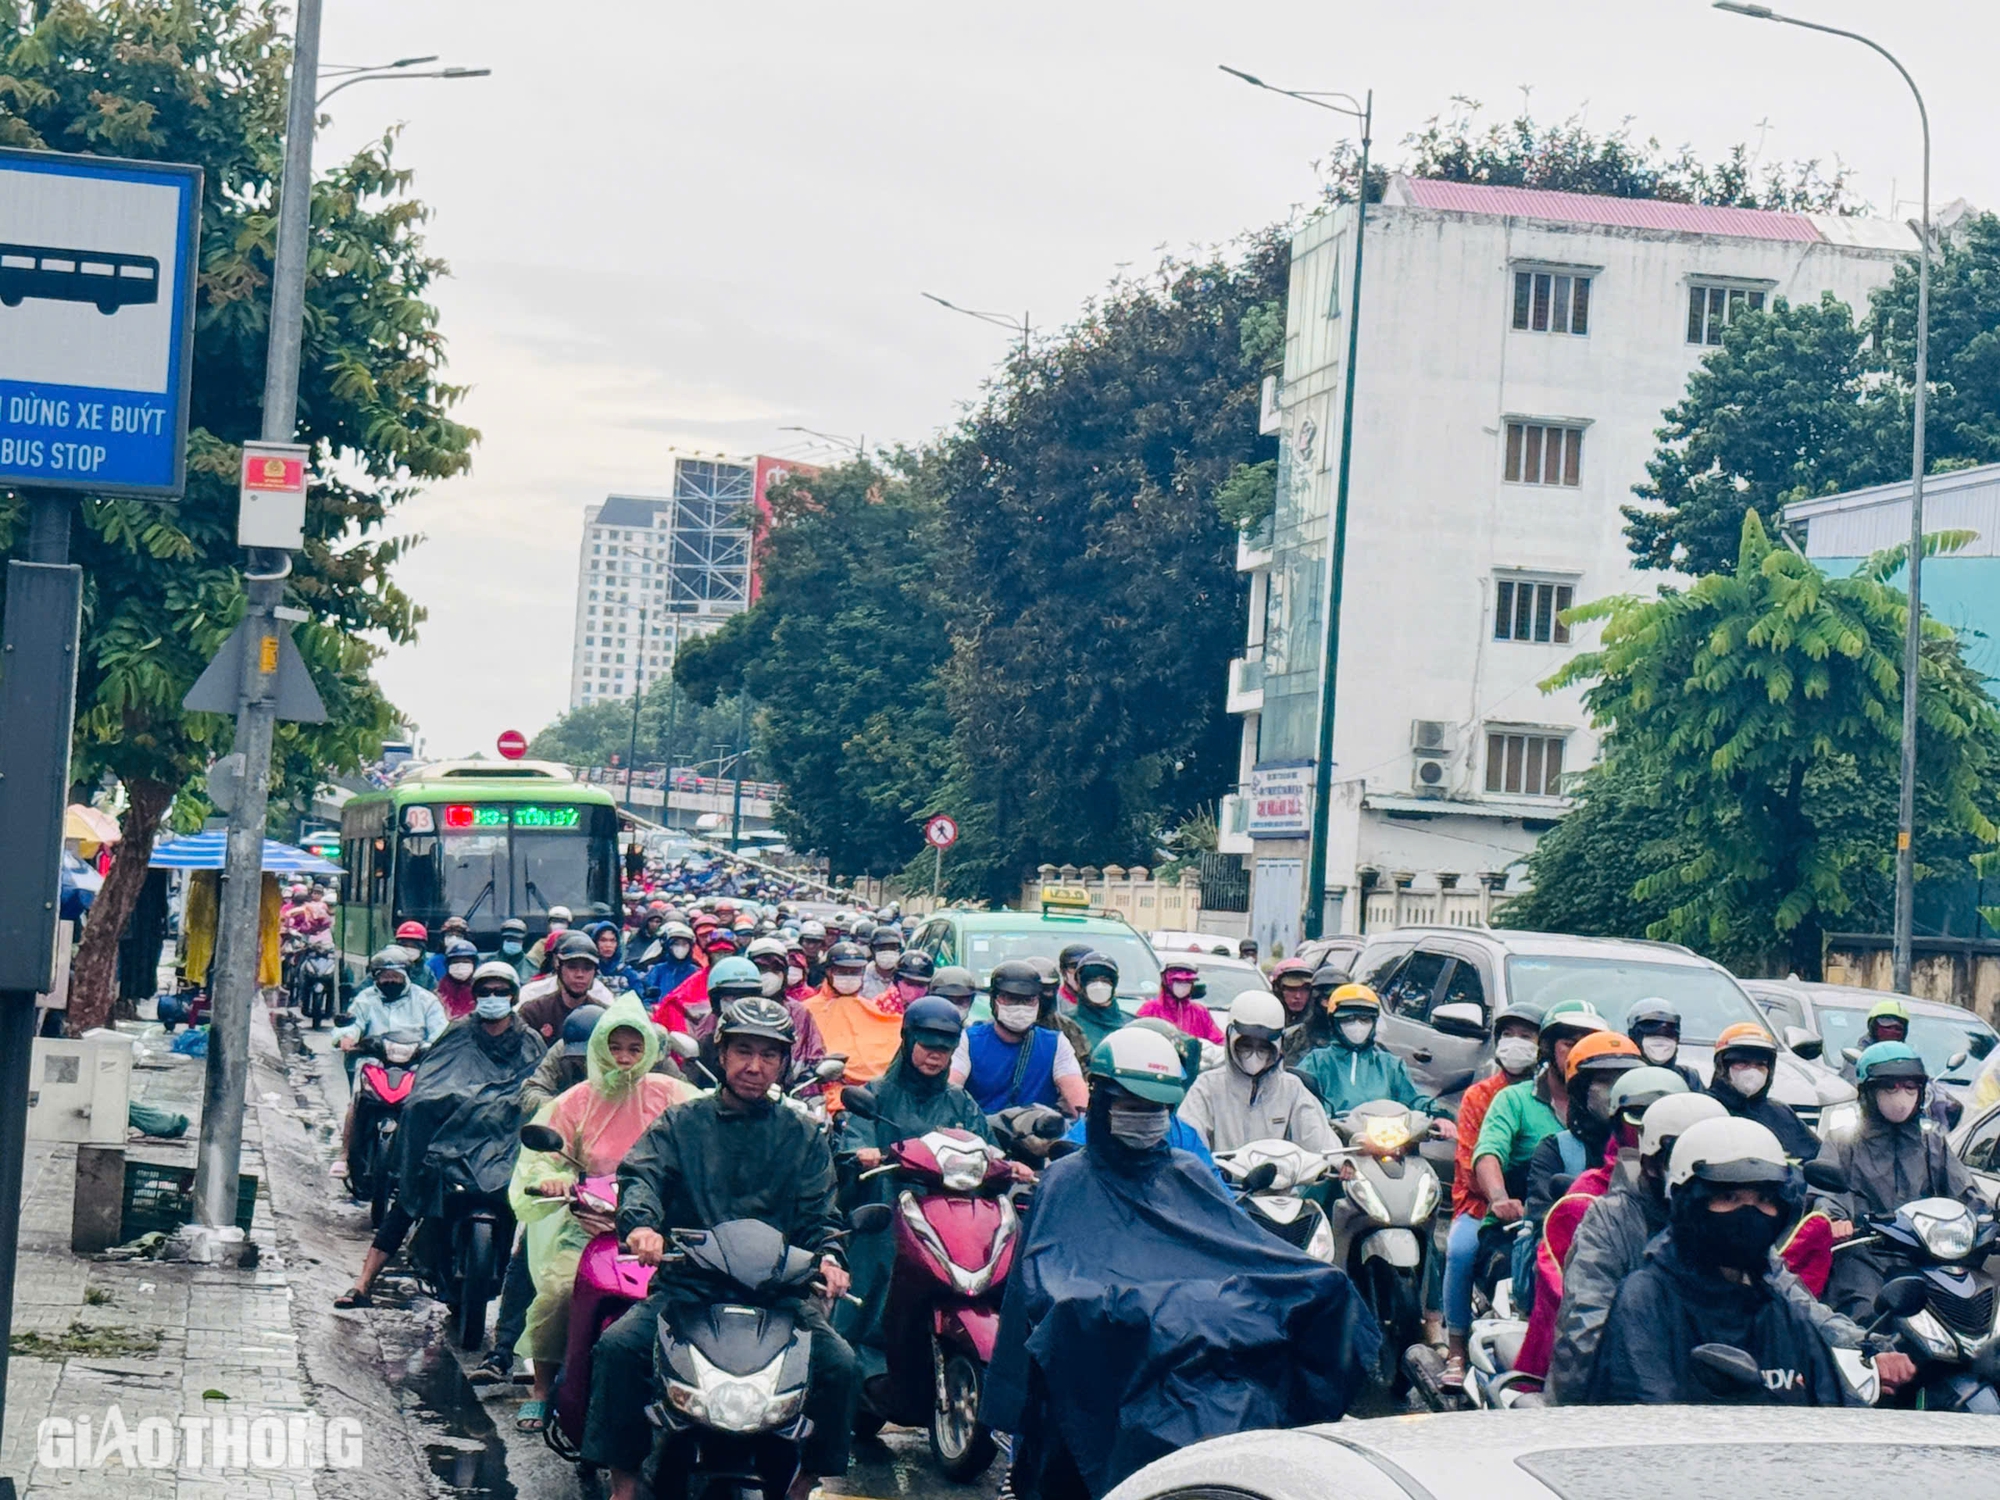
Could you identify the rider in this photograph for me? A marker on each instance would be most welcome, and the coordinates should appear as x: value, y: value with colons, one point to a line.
x: 675, y: 963
x: 546, y: 1000
x: 1315, y: 1027
x: 1247, y: 950
x: 1010, y: 1060
x: 1251, y: 1097
x: 1594, y: 1065
x: 868, y: 1033
x: 734, y: 1154
x: 1746, y: 1060
x: 1069, y: 992
x: 1097, y: 1012
x: 449, y: 929
x: 542, y: 954
x: 1291, y: 981
x: 914, y: 972
x: 1354, y: 1067
x: 1710, y: 1280
x: 1176, y: 1003
x: 613, y: 971
x: 812, y: 939
x: 414, y: 939
x: 514, y: 948
x: 1654, y: 1025
x: 1525, y: 1114
x: 885, y: 947
x: 957, y: 985
x: 1893, y: 1156
x: 455, y: 966
x: 389, y: 1003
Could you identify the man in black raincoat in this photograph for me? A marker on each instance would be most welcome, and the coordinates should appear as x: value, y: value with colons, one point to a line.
x: 1147, y: 1312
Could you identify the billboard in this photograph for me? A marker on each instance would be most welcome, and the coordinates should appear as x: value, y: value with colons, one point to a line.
x: 769, y: 472
x: 1280, y: 801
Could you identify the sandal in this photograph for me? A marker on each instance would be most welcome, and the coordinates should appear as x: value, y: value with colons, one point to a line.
x: 532, y: 1417
x: 1453, y: 1378
x: 353, y: 1297
x: 495, y: 1369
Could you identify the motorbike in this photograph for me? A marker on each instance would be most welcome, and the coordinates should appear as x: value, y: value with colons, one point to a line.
x: 315, y: 986
x: 1382, y: 1219
x: 956, y: 1226
x: 1281, y: 1207
x: 384, y: 1074
x: 462, y: 1247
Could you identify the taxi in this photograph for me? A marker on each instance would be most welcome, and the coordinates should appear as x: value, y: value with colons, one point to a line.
x: 978, y: 940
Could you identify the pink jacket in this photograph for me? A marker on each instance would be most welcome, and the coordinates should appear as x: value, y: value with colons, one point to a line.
x: 1189, y: 1015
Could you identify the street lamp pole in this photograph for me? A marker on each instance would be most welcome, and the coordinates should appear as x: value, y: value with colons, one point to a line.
x: 1906, y: 801
x: 1362, y: 110
x: 999, y: 320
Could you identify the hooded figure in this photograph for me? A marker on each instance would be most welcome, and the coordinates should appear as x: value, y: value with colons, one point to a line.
x: 1177, y: 1004
x: 1251, y: 1098
x: 1354, y: 1067
x: 1146, y: 1312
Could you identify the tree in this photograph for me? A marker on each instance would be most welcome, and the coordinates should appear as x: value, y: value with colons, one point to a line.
x: 1767, y: 704
x: 173, y: 81
x: 1090, y: 581
x: 1581, y: 871
x: 842, y: 652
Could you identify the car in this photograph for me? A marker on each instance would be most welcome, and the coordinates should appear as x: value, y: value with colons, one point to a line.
x: 1339, y: 951
x: 1952, y: 1041
x: 1220, y: 980
x: 977, y: 940
x: 1589, y: 1453
x: 1441, y: 985
x: 1176, y: 940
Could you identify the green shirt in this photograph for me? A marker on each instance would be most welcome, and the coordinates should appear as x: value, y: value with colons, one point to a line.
x: 1517, y: 1121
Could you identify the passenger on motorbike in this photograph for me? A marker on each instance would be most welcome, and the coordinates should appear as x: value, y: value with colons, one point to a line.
x: 797, y: 986
x: 675, y: 963
x: 546, y: 1000
x: 613, y: 972
x: 1011, y: 1060
x: 514, y: 948
x: 1098, y: 1012
x: 542, y: 953
x: 812, y: 939
x: 599, y: 1120
x: 1746, y: 1060
x: 1523, y: 1115
x: 1176, y: 1003
x: 732, y: 1155
x: 1052, y: 1016
x: 455, y: 964
x: 868, y: 1033
x: 1655, y: 1028
x: 1710, y: 1279
x: 957, y: 985
x: 914, y: 972
x: 565, y: 1064
x: 1354, y: 1067
x: 1251, y: 1097
x: 1595, y: 1064
x: 1069, y: 990
x: 1895, y: 1155
x: 1515, y: 1030
x: 1315, y: 1027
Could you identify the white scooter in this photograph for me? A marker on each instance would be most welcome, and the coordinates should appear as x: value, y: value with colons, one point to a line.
x: 1280, y: 1207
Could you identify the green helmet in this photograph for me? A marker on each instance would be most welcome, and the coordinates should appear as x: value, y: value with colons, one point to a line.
x: 1886, y: 1060
x: 1187, y: 1048
x: 1891, y: 1009
x: 1142, y: 1062
x: 1572, y: 1015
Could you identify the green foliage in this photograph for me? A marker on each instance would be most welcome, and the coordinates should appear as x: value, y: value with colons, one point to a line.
x: 1987, y: 867
x: 673, y: 729
x: 1582, y: 869
x: 1765, y: 704
x: 1249, y: 495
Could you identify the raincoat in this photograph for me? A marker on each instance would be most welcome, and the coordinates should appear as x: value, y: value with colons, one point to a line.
x: 463, y: 1118
x: 600, y: 1119
x: 1147, y: 1312
x: 1887, y: 1165
x: 1345, y: 1076
x: 1188, y: 1015
x: 1228, y: 1108
x: 1799, y: 1142
x: 860, y: 1031
x: 1097, y: 1022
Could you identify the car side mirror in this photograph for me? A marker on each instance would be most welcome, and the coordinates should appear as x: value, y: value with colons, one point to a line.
x: 1825, y: 1176
x: 1460, y: 1019
x: 860, y: 1102
x: 1731, y: 1365
x: 1803, y: 1043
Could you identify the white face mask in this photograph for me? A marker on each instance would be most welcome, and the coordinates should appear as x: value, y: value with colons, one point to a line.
x: 1180, y: 989
x: 1254, y: 1057
x: 1017, y: 1018
x: 1097, y: 992
x: 460, y: 972
x: 1896, y: 1107
x: 1140, y: 1126
x: 846, y: 984
x: 887, y: 958
x: 678, y: 949
x: 794, y: 975
x: 770, y: 983
x: 1515, y: 1054
x: 1660, y: 1049
x: 1748, y: 1079
x: 1357, y: 1032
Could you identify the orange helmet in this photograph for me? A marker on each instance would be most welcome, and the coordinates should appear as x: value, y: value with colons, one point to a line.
x: 1746, y: 1036
x: 1600, y: 1045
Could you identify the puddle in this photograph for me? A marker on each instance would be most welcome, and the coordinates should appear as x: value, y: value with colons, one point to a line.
x: 467, y: 1455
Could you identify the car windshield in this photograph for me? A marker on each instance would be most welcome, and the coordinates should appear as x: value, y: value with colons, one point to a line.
x: 1225, y: 984
x: 1936, y: 1038
x: 1138, y: 967
x: 1707, y: 999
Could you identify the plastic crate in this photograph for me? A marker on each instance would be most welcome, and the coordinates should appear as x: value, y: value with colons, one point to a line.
x: 162, y: 1198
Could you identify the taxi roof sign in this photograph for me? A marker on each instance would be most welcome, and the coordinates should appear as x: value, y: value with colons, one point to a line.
x: 1074, y: 897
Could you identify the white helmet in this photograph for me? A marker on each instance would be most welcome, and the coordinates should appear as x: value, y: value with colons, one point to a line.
x: 1725, y: 1152
x: 1256, y: 1013
x: 811, y: 930
x: 497, y: 968
x: 767, y: 947
x: 1668, y: 1118
x: 679, y: 930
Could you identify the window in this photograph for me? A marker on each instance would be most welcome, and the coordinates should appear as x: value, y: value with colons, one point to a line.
x: 1527, y: 765
x: 1541, y: 454
x: 1464, y: 986
x: 1409, y: 993
x: 1713, y: 308
x: 1527, y: 611
x: 1551, y: 302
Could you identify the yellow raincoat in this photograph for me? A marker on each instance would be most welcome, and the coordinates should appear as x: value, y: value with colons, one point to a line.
x: 198, y: 926
x: 600, y: 1120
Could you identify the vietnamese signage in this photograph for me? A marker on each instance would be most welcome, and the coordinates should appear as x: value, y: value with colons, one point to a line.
x: 1280, y: 801
x: 97, y: 273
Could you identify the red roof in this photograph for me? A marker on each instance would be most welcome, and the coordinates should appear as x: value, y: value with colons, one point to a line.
x: 1624, y: 213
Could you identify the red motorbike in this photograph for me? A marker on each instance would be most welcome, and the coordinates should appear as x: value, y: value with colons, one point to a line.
x: 384, y: 1074
x: 955, y: 1228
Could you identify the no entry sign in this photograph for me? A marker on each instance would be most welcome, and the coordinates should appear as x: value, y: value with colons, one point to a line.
x: 512, y: 744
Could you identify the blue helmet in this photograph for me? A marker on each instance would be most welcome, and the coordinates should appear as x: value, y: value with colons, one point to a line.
x: 934, y: 1021
x: 1883, y: 1061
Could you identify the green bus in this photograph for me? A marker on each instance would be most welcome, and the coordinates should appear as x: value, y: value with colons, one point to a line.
x: 473, y: 839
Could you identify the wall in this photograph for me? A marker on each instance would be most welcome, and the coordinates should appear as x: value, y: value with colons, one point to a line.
x: 1961, y: 971
x: 1149, y: 905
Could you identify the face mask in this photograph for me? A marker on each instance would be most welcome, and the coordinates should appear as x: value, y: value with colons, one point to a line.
x: 460, y: 972
x: 887, y: 959
x: 678, y: 949
x: 794, y: 975
x: 557, y: 929
x: 1097, y: 992
x: 1180, y: 989
x: 493, y: 1007
x: 1356, y: 1033
x: 1895, y: 1107
x: 1017, y: 1017
x: 1597, y: 1100
x: 846, y: 984
x: 391, y: 989
x: 1740, y: 1239
x: 1660, y: 1050
x: 511, y: 948
x: 1255, y: 1057
x: 1515, y: 1054
x: 1749, y: 1079
x: 769, y: 983
x: 1140, y: 1126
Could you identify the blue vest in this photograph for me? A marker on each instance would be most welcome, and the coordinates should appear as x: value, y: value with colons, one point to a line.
x: 996, y: 1065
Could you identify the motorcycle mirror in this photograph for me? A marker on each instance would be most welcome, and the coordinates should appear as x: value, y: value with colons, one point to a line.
x: 344, y: 1018
x: 1852, y: 1054
x: 1560, y: 1184
x: 541, y: 1138
x: 860, y: 1102
x: 682, y: 1045
x: 829, y: 1069
x: 1048, y: 1125
x: 870, y: 1217
x: 1059, y: 1149
x: 1825, y: 1176
x: 1732, y: 1364
x: 1901, y: 1297
x: 1258, y: 1178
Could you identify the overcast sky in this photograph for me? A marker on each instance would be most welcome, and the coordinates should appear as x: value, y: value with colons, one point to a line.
x: 678, y: 226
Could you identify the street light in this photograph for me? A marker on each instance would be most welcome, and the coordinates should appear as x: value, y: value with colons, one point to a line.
x: 1906, y: 802
x: 1336, y: 560
x: 390, y: 70
x: 999, y: 320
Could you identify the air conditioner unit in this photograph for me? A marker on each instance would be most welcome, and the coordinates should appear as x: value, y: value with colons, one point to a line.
x: 1430, y: 777
x: 1431, y: 736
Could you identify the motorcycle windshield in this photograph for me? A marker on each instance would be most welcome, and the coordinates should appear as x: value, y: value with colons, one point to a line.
x: 735, y: 1339
x: 752, y: 1255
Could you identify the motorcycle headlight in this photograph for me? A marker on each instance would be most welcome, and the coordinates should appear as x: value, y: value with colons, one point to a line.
x: 736, y: 1403
x: 1931, y: 1334
x: 962, y: 1171
x: 1838, y: 1119
x: 1361, y: 1193
x: 1427, y: 1198
x: 1946, y: 1236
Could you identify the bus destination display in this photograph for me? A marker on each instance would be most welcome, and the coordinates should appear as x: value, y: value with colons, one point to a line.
x: 464, y: 815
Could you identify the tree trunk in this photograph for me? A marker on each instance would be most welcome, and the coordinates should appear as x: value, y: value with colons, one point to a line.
x: 93, y: 976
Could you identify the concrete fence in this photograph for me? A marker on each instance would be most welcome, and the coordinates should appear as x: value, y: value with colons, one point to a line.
x: 1149, y: 905
x: 1958, y: 971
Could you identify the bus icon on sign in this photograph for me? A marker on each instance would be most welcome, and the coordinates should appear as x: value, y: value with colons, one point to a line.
x: 106, y: 279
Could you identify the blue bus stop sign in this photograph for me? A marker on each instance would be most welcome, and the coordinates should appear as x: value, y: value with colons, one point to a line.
x: 97, y: 274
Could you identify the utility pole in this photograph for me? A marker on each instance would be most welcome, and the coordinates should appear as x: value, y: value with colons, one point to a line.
x: 736, y: 796
x: 233, y: 971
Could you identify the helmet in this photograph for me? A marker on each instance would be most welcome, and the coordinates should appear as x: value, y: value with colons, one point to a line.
x: 1051, y: 977
x: 497, y: 968
x: 1095, y: 965
x: 1652, y: 1014
x: 1579, y: 1016
x: 514, y: 927
x: 732, y: 978
x: 1881, y: 1061
x: 846, y: 956
x: 811, y: 931
x: 1290, y: 968
x: 560, y: 914
x: 1726, y: 1152
x: 915, y: 964
x: 934, y: 1021
x: 954, y: 983
x: 679, y: 930
x: 1187, y: 1048
x: 1520, y: 1012
x: 863, y: 930
x: 1256, y: 1014
x: 1354, y: 997
x: 459, y: 948
x: 754, y: 1016
x: 1016, y: 977
x: 1746, y: 1036
x: 1069, y: 954
x: 767, y: 947
x: 1170, y: 966
x: 744, y: 923
x: 455, y: 924
x: 1891, y: 1009
x: 578, y: 1025
x: 1670, y: 1117
x: 412, y: 932
x: 1641, y: 1088
x: 576, y: 947
x: 390, y: 958
x: 1603, y: 1052
x: 1327, y: 978
x: 1141, y: 1062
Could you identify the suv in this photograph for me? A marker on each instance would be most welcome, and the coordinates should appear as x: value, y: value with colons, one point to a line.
x: 1441, y: 985
x: 977, y: 940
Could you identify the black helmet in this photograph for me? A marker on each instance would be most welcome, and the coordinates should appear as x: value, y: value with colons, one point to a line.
x: 1016, y: 977
x: 1327, y: 978
x: 756, y: 1017
x: 888, y: 935
x: 1649, y: 1016
x: 845, y: 955
x: 864, y: 929
x: 1094, y: 965
x: 576, y: 946
x: 934, y: 1021
x: 916, y: 964
x: 954, y: 983
x: 1070, y: 953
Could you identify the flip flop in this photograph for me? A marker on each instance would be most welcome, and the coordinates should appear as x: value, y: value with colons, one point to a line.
x: 353, y: 1297
x: 532, y: 1417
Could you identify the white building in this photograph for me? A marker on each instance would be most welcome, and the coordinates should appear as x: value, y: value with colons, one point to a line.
x: 1517, y: 349
x: 654, y: 571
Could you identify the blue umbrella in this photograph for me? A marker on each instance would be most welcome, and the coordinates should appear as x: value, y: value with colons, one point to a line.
x: 206, y: 851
